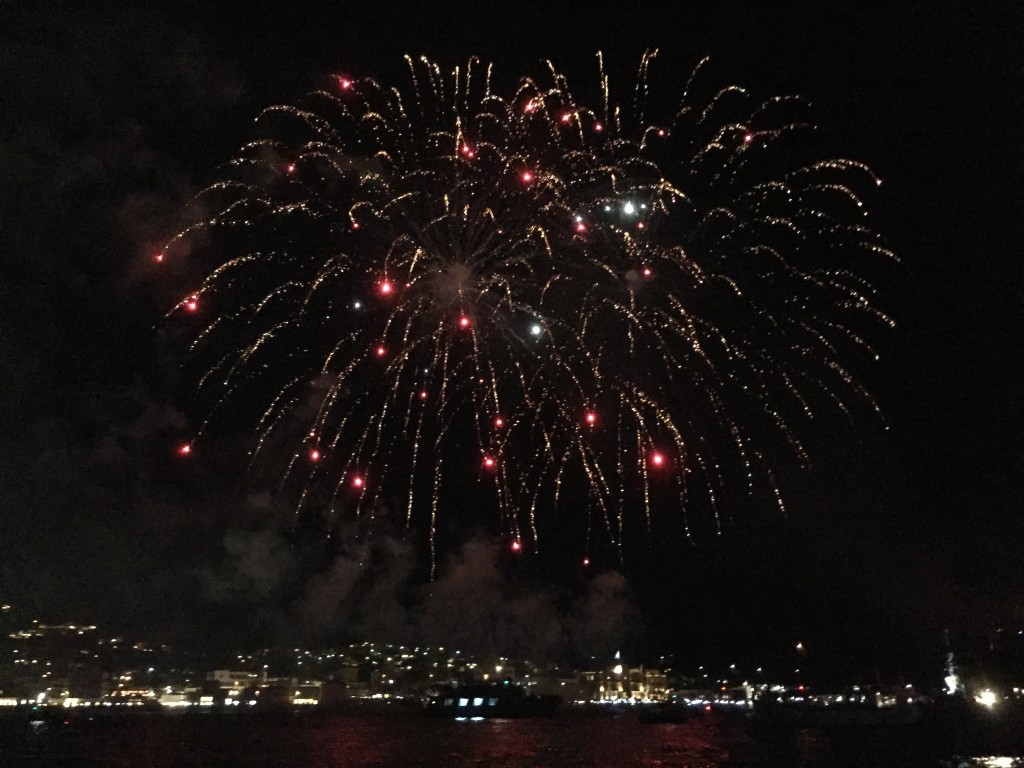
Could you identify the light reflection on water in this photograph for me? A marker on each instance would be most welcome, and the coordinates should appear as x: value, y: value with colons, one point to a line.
x: 409, y: 741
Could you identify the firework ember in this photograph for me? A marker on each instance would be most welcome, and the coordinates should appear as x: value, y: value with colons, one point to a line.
x: 692, y: 279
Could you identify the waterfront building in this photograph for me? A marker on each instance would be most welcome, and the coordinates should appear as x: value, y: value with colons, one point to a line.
x: 618, y: 683
x: 236, y: 679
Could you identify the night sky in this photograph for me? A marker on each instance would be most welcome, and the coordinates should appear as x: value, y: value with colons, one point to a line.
x: 115, y: 117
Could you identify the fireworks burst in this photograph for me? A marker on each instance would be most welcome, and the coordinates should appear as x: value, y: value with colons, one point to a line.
x: 418, y: 285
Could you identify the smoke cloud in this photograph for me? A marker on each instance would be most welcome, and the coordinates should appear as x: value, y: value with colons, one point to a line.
x: 369, y: 590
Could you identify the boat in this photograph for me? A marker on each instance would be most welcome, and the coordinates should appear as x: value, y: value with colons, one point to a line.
x: 835, y: 715
x: 494, y: 700
x: 662, y: 712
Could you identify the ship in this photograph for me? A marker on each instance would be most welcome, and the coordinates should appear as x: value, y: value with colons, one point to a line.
x: 835, y: 715
x: 662, y: 712
x: 494, y: 700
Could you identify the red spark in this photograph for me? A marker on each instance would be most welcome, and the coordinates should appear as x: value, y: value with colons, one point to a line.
x: 191, y: 304
x: 566, y: 117
x: 516, y: 546
x: 314, y: 455
x: 658, y: 459
x: 878, y: 182
x: 355, y: 225
x: 499, y: 422
x: 581, y: 227
x: 423, y: 395
x: 344, y: 83
x: 529, y: 106
x: 590, y: 418
x: 661, y: 131
x: 647, y: 272
x: 464, y: 322
x: 526, y: 176
x: 598, y: 127
x: 358, y: 481
x: 489, y: 462
x: 467, y: 150
x: 159, y: 257
x: 586, y: 561
x: 381, y: 351
x: 747, y: 138
x: 290, y: 168
x: 185, y: 449
x: 641, y: 225
x: 385, y: 287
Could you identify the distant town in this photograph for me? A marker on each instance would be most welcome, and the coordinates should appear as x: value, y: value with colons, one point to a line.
x: 75, y: 665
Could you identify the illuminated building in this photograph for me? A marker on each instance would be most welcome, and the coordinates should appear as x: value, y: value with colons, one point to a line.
x: 236, y: 679
x: 618, y: 683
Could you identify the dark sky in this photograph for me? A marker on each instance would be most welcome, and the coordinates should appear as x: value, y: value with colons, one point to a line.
x: 115, y: 116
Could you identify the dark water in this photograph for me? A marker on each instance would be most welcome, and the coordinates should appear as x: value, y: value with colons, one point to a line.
x: 409, y: 741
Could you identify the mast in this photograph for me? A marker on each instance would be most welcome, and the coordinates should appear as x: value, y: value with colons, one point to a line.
x: 954, y: 685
